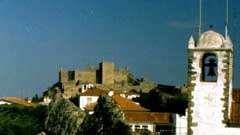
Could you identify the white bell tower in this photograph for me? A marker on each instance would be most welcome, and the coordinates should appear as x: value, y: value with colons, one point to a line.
x: 210, y: 69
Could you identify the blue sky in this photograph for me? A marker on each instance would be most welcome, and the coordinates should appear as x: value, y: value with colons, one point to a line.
x: 38, y: 37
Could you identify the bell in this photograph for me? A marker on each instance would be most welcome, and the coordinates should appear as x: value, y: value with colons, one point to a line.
x: 211, y: 72
x: 212, y: 64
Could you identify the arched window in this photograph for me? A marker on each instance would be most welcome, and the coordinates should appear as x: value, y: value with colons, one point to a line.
x: 209, y: 67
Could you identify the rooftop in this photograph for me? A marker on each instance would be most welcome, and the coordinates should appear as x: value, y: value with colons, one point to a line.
x: 211, y: 39
x: 126, y: 104
x: 235, y: 111
x: 123, y: 103
x: 17, y: 100
x: 94, y: 92
x: 153, y: 117
x: 135, y: 113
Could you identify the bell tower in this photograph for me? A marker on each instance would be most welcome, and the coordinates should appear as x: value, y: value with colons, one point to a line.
x: 210, y: 69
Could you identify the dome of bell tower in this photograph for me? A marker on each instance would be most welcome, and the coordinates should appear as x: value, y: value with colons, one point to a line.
x: 211, y: 39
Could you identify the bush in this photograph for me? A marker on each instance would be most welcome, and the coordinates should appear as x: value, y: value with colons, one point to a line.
x: 19, y: 120
x: 164, y: 100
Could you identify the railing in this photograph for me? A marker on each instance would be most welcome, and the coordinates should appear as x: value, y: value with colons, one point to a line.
x: 166, y: 132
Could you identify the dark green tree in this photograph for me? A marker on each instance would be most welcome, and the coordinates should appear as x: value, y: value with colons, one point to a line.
x: 36, y: 98
x: 20, y: 120
x: 165, y: 99
x: 107, y: 119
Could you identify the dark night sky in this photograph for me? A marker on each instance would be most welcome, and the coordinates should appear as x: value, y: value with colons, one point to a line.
x: 38, y: 37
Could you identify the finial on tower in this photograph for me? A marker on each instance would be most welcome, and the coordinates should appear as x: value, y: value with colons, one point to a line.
x: 200, y: 18
x: 226, y: 23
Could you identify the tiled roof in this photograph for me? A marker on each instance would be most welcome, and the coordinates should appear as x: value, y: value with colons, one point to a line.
x: 17, y: 100
x: 235, y: 110
x: 135, y: 113
x: 123, y: 103
x: 148, y: 117
x: 126, y: 104
x: 94, y: 92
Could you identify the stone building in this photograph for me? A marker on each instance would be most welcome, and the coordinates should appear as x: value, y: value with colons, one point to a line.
x: 105, y: 74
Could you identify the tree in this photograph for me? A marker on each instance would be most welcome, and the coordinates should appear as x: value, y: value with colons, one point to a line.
x: 75, y: 100
x: 165, y: 99
x: 36, y: 98
x: 20, y: 120
x: 107, y: 119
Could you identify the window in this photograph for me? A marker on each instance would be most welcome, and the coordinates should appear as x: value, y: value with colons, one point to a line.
x: 137, y: 127
x: 145, y: 126
x: 71, y: 75
x: 209, y: 67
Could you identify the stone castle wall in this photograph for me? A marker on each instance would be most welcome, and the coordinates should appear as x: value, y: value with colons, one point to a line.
x: 86, y: 76
x: 121, y: 77
x: 106, y: 74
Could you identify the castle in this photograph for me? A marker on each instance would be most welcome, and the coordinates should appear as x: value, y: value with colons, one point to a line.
x: 106, y: 74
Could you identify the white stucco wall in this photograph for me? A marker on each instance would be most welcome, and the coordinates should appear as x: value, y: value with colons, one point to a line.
x: 4, y: 102
x: 150, y: 126
x: 84, y: 100
x: 208, y: 104
x: 217, y: 131
x: 181, y: 124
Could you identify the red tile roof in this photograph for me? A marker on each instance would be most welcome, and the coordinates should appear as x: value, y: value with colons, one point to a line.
x: 148, y: 117
x: 135, y: 113
x: 94, y: 92
x: 123, y: 103
x: 235, y: 109
x: 126, y: 104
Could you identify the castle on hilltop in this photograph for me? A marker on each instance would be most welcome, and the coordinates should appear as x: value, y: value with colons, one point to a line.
x: 105, y: 74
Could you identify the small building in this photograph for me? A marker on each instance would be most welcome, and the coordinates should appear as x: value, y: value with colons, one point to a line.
x: 90, y: 96
x: 16, y: 100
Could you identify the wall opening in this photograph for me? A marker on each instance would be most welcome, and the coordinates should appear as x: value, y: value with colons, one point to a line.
x: 209, y: 67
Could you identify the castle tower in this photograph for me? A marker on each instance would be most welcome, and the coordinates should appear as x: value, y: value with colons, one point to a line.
x: 210, y: 69
x: 107, y: 72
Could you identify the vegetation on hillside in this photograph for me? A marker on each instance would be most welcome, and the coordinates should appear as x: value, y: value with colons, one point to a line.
x: 20, y: 120
x: 66, y: 118
x: 164, y: 99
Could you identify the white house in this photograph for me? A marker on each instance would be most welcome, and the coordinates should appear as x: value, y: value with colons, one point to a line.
x: 16, y: 100
x: 4, y: 102
x: 90, y: 96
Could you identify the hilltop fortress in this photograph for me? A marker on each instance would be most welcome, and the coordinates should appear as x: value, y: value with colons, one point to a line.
x: 106, y: 76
